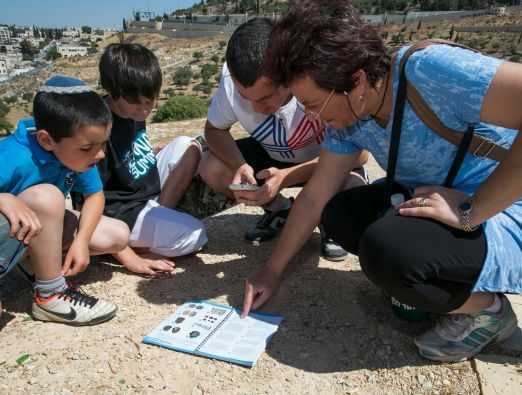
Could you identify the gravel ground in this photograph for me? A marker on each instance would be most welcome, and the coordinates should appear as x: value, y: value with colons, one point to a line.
x: 339, y: 335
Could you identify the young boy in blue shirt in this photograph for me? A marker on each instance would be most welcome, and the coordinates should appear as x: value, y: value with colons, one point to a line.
x: 46, y: 158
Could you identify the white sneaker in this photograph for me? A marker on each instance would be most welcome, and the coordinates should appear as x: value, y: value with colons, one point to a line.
x: 73, y: 307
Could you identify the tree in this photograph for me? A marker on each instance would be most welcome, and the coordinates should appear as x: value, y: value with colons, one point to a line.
x: 183, y: 76
x: 215, y: 58
x: 208, y: 70
x: 124, y: 25
x: 197, y: 55
x: 52, y: 53
x: 86, y: 30
x: 27, y: 49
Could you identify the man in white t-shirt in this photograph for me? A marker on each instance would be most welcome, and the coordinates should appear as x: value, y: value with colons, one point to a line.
x: 284, y: 143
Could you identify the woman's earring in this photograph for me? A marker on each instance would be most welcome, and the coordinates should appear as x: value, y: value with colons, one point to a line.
x: 361, y: 98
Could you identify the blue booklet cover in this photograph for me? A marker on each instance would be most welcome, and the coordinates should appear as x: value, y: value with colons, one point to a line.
x: 215, y: 331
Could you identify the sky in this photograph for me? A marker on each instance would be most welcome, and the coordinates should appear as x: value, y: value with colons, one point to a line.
x: 94, y: 13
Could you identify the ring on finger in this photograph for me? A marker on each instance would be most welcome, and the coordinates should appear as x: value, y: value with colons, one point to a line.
x: 422, y: 202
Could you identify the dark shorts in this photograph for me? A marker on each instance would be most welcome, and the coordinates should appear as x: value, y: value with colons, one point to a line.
x: 256, y: 156
x: 11, y: 250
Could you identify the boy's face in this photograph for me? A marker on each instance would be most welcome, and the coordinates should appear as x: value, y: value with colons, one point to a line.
x: 137, y: 110
x: 80, y: 152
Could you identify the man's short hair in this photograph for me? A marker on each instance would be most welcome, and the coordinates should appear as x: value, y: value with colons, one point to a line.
x: 130, y: 71
x: 246, y: 50
x: 63, y: 104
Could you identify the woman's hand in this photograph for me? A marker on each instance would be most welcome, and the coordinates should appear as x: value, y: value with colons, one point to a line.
x: 258, y: 289
x: 438, y: 203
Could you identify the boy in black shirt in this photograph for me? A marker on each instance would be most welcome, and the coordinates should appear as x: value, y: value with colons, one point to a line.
x: 142, y: 188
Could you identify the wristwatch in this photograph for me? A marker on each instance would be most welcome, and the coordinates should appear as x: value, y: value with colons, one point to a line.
x: 465, y: 209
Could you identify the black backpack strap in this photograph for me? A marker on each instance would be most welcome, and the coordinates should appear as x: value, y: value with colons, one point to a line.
x: 459, y: 156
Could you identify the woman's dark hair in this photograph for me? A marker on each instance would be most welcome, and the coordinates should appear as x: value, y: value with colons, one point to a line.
x: 130, y: 71
x: 327, y: 40
x: 246, y: 49
x: 60, y: 114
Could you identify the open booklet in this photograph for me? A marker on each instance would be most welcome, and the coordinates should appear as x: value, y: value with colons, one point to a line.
x: 215, y: 331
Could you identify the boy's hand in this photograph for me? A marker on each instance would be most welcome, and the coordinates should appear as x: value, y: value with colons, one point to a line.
x: 77, y: 258
x: 158, y: 147
x: 24, y: 222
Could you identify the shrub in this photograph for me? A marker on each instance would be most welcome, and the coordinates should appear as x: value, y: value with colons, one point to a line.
x: 208, y: 70
x: 222, y: 44
x: 5, y: 126
x: 205, y: 87
x: 197, y: 55
x: 215, y: 58
x: 179, y: 108
x: 183, y: 76
x: 4, y: 109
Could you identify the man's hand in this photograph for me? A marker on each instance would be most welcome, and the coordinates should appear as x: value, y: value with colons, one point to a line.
x: 77, y: 258
x: 265, y: 194
x: 24, y: 222
x: 259, y: 289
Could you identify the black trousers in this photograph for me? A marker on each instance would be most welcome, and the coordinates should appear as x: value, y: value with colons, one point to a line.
x: 421, y: 262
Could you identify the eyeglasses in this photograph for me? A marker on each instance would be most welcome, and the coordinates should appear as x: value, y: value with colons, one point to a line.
x: 317, y: 115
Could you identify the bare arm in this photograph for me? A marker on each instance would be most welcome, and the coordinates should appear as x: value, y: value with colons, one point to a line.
x: 302, y: 172
x: 90, y: 215
x: 77, y: 258
x: 303, y: 218
x: 504, y: 186
x: 222, y: 145
x: 502, y: 107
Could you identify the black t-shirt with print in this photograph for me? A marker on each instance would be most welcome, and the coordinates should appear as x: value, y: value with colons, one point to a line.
x: 129, y: 172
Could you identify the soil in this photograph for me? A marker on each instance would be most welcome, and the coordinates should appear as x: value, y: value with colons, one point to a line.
x: 339, y: 335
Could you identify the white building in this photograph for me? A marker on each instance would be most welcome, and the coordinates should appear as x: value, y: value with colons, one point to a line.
x: 5, y: 35
x: 12, y: 60
x: 3, y: 67
x: 71, y: 33
x: 68, y: 51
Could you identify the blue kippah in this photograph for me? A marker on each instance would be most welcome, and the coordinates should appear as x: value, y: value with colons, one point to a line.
x: 64, y: 85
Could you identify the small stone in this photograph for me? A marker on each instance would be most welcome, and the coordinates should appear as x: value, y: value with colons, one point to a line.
x: 427, y: 385
x: 220, y: 275
x: 446, y: 382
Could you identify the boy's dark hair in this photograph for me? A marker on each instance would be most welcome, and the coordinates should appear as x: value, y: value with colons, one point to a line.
x: 246, y: 50
x: 130, y: 71
x: 327, y: 40
x: 60, y: 114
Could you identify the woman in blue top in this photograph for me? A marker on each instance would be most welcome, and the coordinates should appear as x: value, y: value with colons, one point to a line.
x: 453, y: 251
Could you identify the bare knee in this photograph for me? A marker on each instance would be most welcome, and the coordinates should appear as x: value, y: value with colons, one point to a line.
x: 119, y: 238
x: 215, y: 173
x: 45, y: 200
x: 111, y: 236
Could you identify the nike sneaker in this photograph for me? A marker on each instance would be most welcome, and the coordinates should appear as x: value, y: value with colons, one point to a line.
x: 73, y: 307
